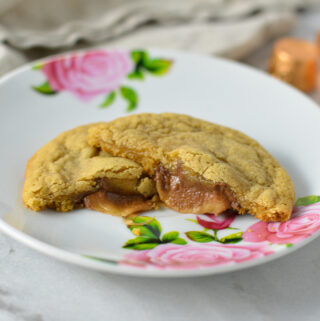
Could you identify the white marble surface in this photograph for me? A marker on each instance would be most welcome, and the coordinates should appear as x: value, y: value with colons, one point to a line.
x: 34, y: 287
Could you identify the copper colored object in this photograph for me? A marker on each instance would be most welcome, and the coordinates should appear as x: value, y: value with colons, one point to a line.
x: 295, y: 62
x: 318, y: 42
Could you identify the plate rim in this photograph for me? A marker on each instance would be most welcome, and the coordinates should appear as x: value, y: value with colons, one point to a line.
x: 78, y: 260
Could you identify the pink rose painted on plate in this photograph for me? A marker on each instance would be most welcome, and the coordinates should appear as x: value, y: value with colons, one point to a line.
x: 100, y: 72
x: 305, y: 221
x: 88, y: 74
x: 194, y: 256
x: 172, y: 250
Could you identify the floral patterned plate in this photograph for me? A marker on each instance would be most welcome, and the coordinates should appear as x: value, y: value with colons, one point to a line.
x: 44, y: 98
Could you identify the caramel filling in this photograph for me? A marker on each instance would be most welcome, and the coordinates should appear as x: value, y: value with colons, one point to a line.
x: 190, y: 194
x: 177, y: 189
x: 117, y: 204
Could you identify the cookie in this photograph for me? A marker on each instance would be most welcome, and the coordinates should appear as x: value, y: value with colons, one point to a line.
x: 67, y: 173
x: 200, y: 167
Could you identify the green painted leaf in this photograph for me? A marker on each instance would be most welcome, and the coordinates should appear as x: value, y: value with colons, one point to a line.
x: 140, y: 240
x: 142, y: 219
x: 289, y: 245
x: 136, y: 56
x: 44, y: 89
x: 108, y: 100
x: 130, y: 96
x: 179, y: 240
x: 307, y: 200
x: 170, y: 236
x: 142, y: 230
x: 155, y: 227
x: 38, y: 66
x: 200, y: 237
x: 152, y: 228
x: 139, y: 55
x: 142, y: 246
x: 157, y: 66
x: 232, y: 238
x: 137, y: 74
x: 192, y: 220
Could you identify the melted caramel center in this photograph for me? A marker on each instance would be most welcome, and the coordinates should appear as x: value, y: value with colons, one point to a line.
x: 117, y: 204
x: 190, y: 194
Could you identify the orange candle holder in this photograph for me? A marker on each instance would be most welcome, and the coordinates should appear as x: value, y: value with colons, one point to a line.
x: 295, y: 62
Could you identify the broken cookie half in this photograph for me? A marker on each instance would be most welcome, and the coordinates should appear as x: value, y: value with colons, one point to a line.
x: 67, y: 173
x: 200, y: 167
x: 140, y: 162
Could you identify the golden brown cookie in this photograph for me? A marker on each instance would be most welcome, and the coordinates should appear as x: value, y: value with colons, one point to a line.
x: 200, y: 167
x: 67, y: 173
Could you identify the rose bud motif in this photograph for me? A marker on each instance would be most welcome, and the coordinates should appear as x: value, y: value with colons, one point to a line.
x: 213, y: 222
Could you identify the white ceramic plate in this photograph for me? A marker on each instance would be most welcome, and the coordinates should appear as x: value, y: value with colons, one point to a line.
x: 41, y: 100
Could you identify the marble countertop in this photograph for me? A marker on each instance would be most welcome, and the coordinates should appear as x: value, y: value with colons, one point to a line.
x: 34, y: 287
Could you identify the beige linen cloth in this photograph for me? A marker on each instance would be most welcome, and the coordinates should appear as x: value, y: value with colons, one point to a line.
x: 30, y: 29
